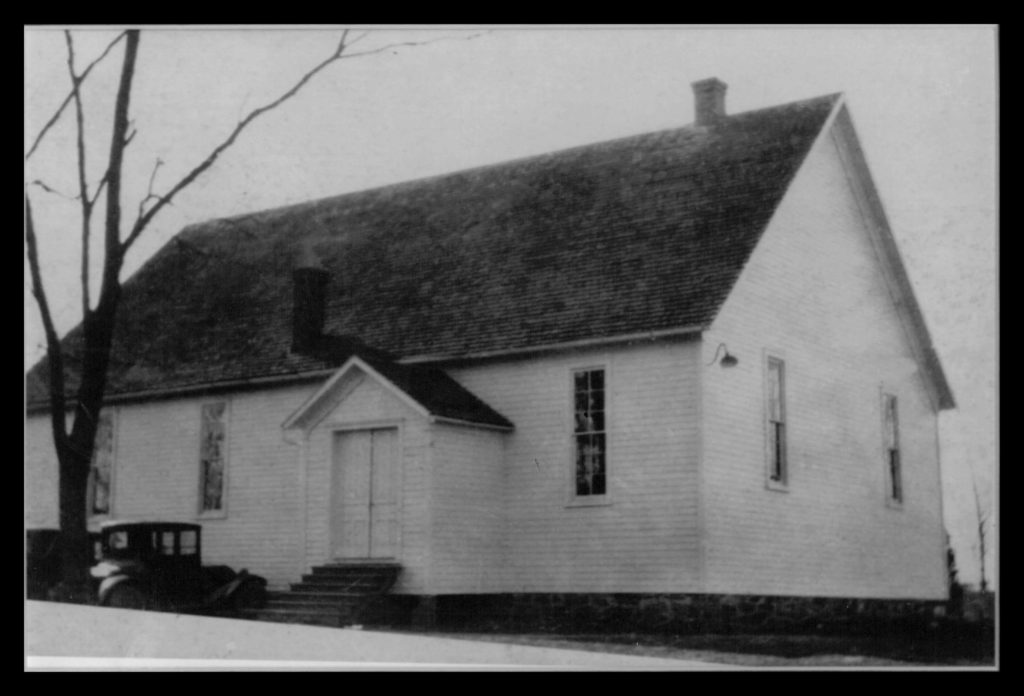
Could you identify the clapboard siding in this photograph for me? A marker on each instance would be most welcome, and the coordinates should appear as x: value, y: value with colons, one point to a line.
x: 814, y: 292
x: 371, y: 403
x: 467, y: 539
x: 646, y: 539
x: 156, y: 476
x: 40, y: 474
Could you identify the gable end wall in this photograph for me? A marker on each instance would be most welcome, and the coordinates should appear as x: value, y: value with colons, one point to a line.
x: 814, y: 294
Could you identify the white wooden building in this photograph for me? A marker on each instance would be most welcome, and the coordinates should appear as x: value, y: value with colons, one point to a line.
x: 687, y: 362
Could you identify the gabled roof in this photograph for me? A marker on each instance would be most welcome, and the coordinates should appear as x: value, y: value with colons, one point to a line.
x: 429, y: 390
x: 895, y: 271
x: 644, y: 234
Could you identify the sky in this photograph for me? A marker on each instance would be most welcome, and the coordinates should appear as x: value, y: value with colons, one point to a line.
x: 923, y: 101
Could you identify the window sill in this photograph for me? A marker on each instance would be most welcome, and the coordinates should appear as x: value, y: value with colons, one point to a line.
x: 777, y: 486
x: 212, y: 515
x: 893, y: 504
x: 589, y: 501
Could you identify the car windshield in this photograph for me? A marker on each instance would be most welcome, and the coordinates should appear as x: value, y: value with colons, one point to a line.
x: 147, y: 541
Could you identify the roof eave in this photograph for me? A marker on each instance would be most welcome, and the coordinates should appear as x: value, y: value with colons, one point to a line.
x: 908, y: 309
x: 295, y: 420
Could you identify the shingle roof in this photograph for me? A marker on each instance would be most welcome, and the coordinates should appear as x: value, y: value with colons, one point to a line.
x: 639, y: 234
x: 436, y: 391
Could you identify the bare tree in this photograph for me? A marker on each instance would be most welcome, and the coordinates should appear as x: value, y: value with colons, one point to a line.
x: 74, y: 443
x: 982, y: 519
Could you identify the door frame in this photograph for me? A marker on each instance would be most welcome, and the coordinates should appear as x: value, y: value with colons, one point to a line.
x: 395, y: 424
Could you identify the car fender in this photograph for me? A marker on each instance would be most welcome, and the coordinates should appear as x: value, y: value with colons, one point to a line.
x: 225, y: 592
x: 109, y: 583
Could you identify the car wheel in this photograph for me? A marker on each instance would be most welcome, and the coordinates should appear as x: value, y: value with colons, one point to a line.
x: 250, y: 595
x: 126, y: 597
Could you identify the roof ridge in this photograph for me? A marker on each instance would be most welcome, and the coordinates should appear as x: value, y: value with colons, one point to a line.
x: 399, y: 185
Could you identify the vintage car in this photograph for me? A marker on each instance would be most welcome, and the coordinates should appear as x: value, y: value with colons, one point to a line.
x: 158, y: 565
x: 42, y: 559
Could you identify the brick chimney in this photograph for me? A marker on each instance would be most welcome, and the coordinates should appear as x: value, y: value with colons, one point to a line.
x: 709, y: 101
x: 309, y: 288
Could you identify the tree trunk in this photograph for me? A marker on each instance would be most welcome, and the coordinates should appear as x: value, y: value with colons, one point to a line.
x: 75, y: 457
x: 75, y: 551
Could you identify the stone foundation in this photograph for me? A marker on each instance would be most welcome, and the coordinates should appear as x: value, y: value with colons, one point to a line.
x: 670, y: 613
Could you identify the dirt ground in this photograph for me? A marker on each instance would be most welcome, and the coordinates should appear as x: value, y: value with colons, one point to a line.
x: 962, y: 649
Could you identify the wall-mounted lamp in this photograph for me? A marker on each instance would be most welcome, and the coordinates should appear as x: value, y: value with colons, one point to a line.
x: 728, y: 360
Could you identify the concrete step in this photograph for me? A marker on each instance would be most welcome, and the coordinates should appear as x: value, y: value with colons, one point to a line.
x: 363, y: 570
x: 318, y: 598
x: 355, y: 564
x: 330, y: 595
x: 341, y: 586
x: 366, y: 578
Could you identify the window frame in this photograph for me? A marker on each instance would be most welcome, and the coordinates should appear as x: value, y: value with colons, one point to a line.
x: 222, y: 512
x: 593, y: 499
x: 90, y: 493
x: 783, y: 482
x: 893, y: 484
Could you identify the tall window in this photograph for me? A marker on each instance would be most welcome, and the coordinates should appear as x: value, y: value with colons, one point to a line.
x: 98, y: 492
x: 892, y: 448
x: 211, y: 458
x: 777, y: 469
x: 591, y: 450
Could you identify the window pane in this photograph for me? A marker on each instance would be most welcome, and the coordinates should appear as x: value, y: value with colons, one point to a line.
x: 581, y: 382
x: 214, y: 412
x: 894, y: 474
x: 777, y: 434
x: 188, y: 543
x: 589, y: 425
x: 598, y: 453
x: 775, y: 390
x: 582, y: 401
x: 212, y: 456
x: 776, y: 408
x: 102, y: 464
x: 167, y: 543
x: 589, y: 464
x: 890, y: 421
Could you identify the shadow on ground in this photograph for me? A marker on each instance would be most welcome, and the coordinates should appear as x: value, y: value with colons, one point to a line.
x: 958, y: 644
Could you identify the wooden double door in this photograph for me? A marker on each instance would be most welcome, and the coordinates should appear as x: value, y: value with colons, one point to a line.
x: 364, y: 501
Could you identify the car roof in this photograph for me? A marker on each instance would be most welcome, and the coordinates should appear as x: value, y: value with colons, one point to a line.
x: 135, y: 524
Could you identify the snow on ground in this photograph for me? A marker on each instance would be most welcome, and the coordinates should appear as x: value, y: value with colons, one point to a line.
x: 63, y: 636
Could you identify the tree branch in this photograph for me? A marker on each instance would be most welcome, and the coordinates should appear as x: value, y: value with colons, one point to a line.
x: 981, y: 529
x: 149, y: 192
x: 49, y: 189
x: 118, y: 142
x: 83, y: 186
x: 106, y: 174
x: 55, y: 356
x: 99, y: 189
x: 144, y: 220
x: 403, y: 44
x: 359, y: 38
x: 67, y: 99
